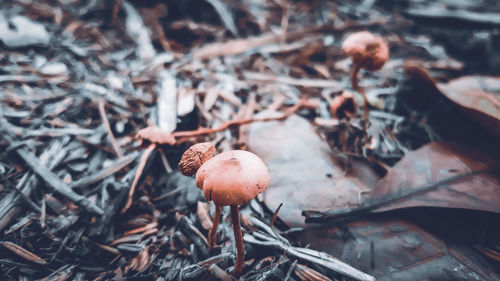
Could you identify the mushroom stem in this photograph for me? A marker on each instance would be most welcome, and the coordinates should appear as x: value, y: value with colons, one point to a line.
x: 240, y: 249
x: 212, y: 236
x: 355, y: 85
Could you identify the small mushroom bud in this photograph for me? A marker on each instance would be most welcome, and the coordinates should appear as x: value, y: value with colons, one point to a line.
x: 343, y: 105
x: 232, y: 178
x: 366, y: 51
x: 194, y: 157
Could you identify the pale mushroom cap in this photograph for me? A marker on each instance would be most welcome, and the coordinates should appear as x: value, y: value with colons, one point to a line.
x: 232, y: 178
x: 367, y: 50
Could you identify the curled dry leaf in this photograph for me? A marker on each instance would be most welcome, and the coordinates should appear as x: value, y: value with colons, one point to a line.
x: 479, y: 95
x: 304, y: 174
x: 155, y: 135
x: 436, y: 161
x: 195, y: 156
x: 23, y: 253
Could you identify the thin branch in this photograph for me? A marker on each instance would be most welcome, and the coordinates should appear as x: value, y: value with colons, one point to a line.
x: 140, y: 169
x: 105, y: 122
x: 226, y: 125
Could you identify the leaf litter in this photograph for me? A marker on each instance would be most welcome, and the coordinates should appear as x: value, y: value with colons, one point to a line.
x: 100, y: 103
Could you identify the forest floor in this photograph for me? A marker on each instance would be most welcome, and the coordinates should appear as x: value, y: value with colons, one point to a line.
x: 99, y: 100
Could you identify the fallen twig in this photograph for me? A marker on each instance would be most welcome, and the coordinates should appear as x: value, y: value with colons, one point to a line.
x: 159, y: 136
x: 105, y: 122
x: 226, y: 125
x: 140, y: 168
x: 313, y: 83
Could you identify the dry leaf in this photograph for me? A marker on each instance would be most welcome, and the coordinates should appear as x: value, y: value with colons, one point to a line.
x: 436, y: 161
x: 396, y: 250
x: 303, y: 175
x: 480, y: 95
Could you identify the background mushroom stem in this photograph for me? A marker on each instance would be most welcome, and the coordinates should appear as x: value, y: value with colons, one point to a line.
x: 212, y: 236
x: 355, y: 85
x: 240, y: 249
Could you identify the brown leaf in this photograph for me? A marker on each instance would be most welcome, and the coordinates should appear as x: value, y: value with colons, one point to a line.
x: 23, y: 253
x: 479, y: 95
x: 436, y: 161
x: 397, y: 250
x: 304, y: 173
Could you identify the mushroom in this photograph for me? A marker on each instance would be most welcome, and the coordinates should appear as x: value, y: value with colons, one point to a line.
x: 232, y: 178
x: 343, y: 105
x: 194, y: 157
x: 366, y: 51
